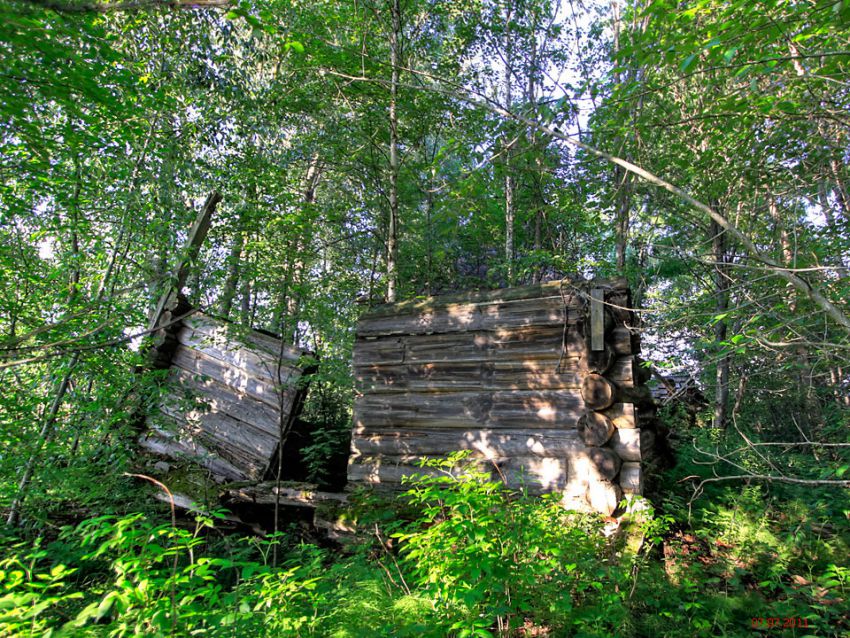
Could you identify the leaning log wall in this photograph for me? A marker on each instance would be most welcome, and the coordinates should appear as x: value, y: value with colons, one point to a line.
x: 541, y: 382
x: 228, y: 396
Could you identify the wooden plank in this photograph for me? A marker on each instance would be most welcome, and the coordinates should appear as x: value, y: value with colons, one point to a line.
x: 263, y: 345
x: 597, y: 319
x: 189, y: 252
x: 221, y: 398
x: 258, y: 365
x: 196, y: 362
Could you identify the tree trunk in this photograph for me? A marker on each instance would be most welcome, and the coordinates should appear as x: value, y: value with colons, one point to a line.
x: 392, y: 229
x: 509, y: 181
x: 721, y: 282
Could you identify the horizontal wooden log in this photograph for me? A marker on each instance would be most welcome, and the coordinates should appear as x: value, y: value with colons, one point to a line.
x: 241, y: 406
x: 613, y: 287
x: 631, y: 478
x: 198, y: 363
x: 487, y: 443
x: 538, y: 414
x: 539, y: 474
x: 517, y: 344
x: 595, y: 428
x: 484, y: 442
x: 480, y: 375
x: 271, y: 494
x: 598, y: 392
x: 471, y: 409
x: 543, y: 311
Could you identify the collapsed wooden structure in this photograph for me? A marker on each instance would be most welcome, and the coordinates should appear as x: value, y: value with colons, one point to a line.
x: 228, y: 397
x: 542, y: 383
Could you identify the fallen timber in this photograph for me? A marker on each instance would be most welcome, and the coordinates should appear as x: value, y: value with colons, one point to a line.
x: 543, y: 384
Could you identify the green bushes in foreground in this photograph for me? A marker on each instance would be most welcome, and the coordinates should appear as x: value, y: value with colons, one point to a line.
x: 469, y: 559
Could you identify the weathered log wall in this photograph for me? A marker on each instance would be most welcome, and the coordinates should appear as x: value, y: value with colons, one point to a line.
x: 541, y: 382
x: 228, y: 396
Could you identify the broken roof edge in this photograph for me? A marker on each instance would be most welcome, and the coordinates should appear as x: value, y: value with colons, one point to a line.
x: 515, y: 293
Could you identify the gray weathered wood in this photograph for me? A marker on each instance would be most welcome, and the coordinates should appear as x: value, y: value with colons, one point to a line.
x: 627, y: 444
x: 546, y: 311
x: 598, y: 392
x: 225, y: 399
x: 493, y: 375
x: 197, y: 235
x: 622, y: 415
x: 171, y: 445
x: 257, y: 364
x: 598, y: 361
x: 631, y: 478
x: 485, y: 442
x: 472, y: 409
x: 547, y: 289
x: 538, y: 473
x: 597, y: 319
x: 604, y: 496
x: 607, y: 461
x: 262, y: 344
x: 595, y: 428
x: 198, y: 363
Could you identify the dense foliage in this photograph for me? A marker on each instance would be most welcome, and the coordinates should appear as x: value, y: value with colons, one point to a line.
x: 412, y: 147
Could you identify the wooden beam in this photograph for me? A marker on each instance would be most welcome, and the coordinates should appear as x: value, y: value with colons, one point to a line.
x: 597, y: 319
x: 189, y: 253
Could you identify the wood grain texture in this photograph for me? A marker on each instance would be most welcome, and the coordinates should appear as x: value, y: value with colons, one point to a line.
x: 482, y: 375
x: 509, y: 375
x: 595, y: 429
x: 598, y: 392
x: 538, y: 474
x: 222, y: 398
x: 196, y: 362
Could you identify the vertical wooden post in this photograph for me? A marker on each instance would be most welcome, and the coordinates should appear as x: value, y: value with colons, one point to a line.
x: 597, y: 319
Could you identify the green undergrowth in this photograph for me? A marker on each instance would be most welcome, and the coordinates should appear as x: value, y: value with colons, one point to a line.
x: 457, y: 555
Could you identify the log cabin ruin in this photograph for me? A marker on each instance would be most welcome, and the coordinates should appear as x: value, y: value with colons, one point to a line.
x: 542, y: 383
x: 229, y: 398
